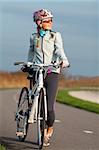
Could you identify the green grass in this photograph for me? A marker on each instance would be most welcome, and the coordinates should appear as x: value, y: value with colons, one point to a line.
x: 65, y: 98
x: 2, y: 147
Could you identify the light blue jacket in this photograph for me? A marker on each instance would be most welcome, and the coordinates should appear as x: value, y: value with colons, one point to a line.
x: 46, y: 49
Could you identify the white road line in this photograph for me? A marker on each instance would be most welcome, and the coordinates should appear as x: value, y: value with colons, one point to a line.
x: 88, y: 131
x: 57, y: 121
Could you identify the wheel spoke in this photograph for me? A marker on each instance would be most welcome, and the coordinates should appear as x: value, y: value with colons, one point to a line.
x: 22, y: 115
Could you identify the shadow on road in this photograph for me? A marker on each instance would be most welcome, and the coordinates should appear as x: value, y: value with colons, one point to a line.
x: 14, y: 144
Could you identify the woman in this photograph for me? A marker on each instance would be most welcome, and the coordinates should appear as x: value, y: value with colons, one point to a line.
x: 46, y: 46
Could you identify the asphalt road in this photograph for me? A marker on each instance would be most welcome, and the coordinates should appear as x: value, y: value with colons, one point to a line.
x: 74, y: 129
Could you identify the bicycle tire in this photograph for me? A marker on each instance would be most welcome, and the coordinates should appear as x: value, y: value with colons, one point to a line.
x: 41, y: 119
x: 22, y: 114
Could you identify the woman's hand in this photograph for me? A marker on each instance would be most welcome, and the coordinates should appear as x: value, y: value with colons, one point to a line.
x: 65, y: 64
x: 24, y: 68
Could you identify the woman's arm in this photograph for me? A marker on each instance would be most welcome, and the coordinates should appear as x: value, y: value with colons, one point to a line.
x: 59, y: 50
x: 31, y: 50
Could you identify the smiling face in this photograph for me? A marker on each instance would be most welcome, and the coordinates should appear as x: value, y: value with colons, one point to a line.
x: 47, y: 24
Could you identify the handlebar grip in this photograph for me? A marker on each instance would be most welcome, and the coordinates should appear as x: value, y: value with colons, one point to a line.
x: 18, y: 63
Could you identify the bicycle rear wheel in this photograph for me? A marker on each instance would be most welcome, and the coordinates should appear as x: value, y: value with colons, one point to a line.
x: 22, y: 114
x: 41, y: 119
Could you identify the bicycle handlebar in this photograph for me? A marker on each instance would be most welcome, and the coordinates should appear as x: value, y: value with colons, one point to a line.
x: 30, y: 64
x: 18, y: 63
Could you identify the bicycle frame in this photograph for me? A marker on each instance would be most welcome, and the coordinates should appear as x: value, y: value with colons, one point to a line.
x: 38, y: 86
x: 35, y: 92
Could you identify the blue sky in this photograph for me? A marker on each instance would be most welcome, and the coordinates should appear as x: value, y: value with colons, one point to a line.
x: 76, y: 20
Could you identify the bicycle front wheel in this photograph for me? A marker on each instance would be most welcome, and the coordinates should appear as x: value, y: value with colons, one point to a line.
x: 41, y: 119
x: 22, y: 114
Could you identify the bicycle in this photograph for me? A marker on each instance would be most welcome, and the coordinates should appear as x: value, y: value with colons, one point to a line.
x: 32, y: 101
